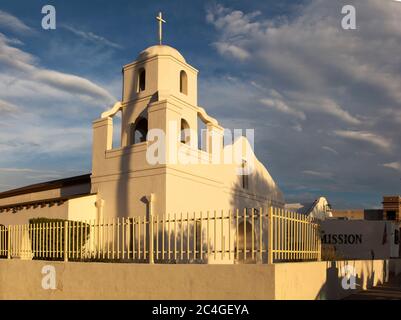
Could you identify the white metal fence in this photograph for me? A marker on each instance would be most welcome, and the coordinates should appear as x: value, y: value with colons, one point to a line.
x: 258, y: 235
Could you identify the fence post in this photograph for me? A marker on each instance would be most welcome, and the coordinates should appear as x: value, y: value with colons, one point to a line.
x: 270, y: 236
x: 66, y: 241
x: 151, y: 233
x: 8, y: 242
x: 319, y: 245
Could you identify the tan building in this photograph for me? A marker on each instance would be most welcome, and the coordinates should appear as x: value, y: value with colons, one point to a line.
x: 351, y: 214
x: 391, y: 211
x: 175, y: 175
x: 392, y: 207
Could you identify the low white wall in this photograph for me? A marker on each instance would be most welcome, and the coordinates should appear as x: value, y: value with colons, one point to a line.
x: 23, y: 280
x: 304, y: 280
x: 322, y: 280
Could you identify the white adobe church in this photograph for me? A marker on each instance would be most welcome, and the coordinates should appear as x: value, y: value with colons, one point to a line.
x: 159, y: 95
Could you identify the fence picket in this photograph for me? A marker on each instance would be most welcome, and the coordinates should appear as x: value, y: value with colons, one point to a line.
x: 194, y: 250
x: 188, y: 236
x: 229, y: 233
x: 169, y: 237
x: 253, y: 233
x: 208, y: 235
x: 175, y: 236
x: 163, y: 235
x: 133, y: 238
x: 222, y: 235
x: 201, y: 238
x: 145, y: 221
x: 157, y: 237
x: 139, y: 239
x: 215, y: 235
x: 182, y: 238
x: 237, y: 234
x: 260, y: 235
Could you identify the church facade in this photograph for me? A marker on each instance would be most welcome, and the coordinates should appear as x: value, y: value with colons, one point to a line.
x: 160, y: 163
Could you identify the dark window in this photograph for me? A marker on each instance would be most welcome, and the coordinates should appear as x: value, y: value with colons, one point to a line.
x: 141, y: 80
x: 183, y: 82
x: 185, y: 134
x: 139, y: 131
x: 245, y: 177
x: 391, y: 215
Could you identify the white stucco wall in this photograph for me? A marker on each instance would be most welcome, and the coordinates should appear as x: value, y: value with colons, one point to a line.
x: 286, y: 281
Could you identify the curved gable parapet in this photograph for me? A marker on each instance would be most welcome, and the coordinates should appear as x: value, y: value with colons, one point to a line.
x: 111, y: 112
x: 206, y: 118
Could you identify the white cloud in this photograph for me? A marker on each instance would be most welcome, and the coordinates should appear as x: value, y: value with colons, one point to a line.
x: 393, y: 165
x: 12, y: 41
x: 90, y: 36
x: 7, y: 107
x: 305, y: 102
x: 23, y: 65
x: 17, y: 170
x: 327, y: 106
x: 393, y: 115
x: 73, y: 84
x: 312, y: 54
x: 364, y: 136
x: 279, y: 46
x: 281, y: 106
x: 324, y: 175
x: 329, y: 149
x: 232, y: 50
x: 49, y: 139
x: 13, y: 23
x: 233, y: 23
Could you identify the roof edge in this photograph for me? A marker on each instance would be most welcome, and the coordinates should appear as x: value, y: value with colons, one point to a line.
x: 49, y: 185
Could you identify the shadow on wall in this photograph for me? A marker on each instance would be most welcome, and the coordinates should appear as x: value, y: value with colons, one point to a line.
x: 337, y: 286
x: 123, y: 192
x: 183, y: 245
x: 253, y: 191
x: 244, y: 198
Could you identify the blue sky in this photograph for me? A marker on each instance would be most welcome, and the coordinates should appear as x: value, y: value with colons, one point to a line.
x: 325, y: 102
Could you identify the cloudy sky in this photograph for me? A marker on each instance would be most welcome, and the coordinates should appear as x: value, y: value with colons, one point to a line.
x: 325, y: 102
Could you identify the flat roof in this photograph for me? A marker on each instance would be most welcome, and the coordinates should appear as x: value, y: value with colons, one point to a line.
x: 49, y: 185
x: 391, y: 198
x: 35, y: 203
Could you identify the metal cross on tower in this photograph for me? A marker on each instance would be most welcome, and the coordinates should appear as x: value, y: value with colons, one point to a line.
x: 161, y: 21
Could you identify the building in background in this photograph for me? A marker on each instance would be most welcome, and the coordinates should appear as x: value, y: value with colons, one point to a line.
x: 392, y: 207
x: 358, y: 214
x: 390, y: 211
x: 319, y: 209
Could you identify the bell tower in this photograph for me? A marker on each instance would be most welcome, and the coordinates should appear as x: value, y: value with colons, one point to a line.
x: 159, y: 92
x: 158, y: 72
